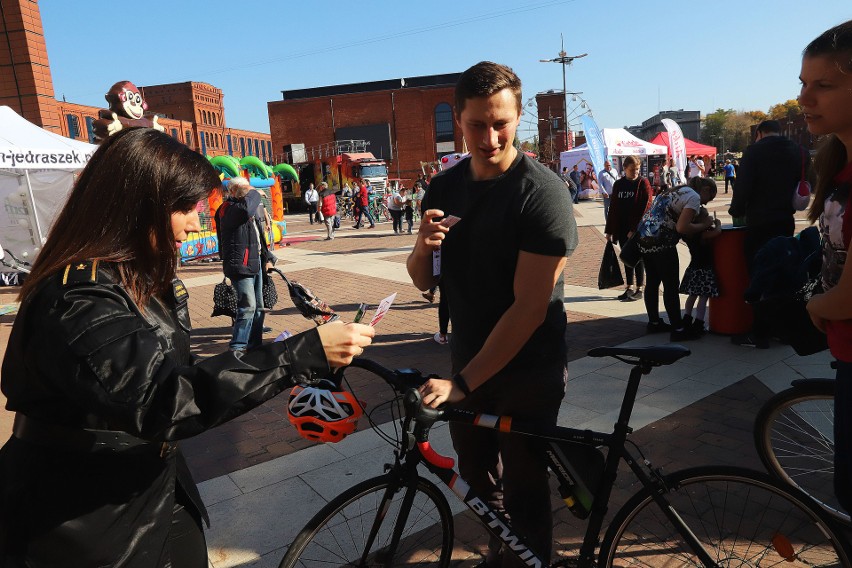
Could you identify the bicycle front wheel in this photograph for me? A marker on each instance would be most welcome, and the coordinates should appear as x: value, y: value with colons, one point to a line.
x: 370, y: 512
x: 742, y: 518
x: 794, y: 437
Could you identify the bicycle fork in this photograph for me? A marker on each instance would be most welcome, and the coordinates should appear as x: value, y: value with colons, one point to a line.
x: 386, y: 555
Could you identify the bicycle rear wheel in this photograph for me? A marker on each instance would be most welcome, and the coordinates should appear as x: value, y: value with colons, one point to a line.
x: 741, y: 517
x: 338, y: 535
x: 794, y: 437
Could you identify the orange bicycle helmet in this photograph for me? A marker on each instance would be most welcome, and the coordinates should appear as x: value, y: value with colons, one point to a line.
x: 323, y: 412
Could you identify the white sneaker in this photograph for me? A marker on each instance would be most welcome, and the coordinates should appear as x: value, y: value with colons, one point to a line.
x: 441, y: 338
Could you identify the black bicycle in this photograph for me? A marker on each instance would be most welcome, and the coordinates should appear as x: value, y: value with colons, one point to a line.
x: 794, y: 436
x: 705, y: 516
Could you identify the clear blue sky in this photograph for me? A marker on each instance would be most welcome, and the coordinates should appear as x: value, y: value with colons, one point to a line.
x: 643, y: 56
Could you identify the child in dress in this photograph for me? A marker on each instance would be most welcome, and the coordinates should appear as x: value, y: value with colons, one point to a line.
x: 699, y: 281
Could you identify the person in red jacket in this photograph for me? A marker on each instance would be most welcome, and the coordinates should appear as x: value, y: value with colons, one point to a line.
x: 631, y: 196
x: 362, y: 199
x: 328, y: 207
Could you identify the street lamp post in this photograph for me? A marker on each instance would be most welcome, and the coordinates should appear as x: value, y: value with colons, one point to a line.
x: 564, y: 59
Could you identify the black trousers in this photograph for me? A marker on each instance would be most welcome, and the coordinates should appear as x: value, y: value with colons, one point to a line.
x: 629, y: 271
x: 731, y: 181
x: 509, y: 471
x: 662, y: 267
x: 843, y: 435
x: 396, y: 216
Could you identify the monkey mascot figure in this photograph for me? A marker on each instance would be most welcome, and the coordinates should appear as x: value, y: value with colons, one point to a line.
x: 126, y: 108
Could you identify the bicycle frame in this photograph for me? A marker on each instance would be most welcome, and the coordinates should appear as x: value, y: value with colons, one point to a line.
x: 417, y: 450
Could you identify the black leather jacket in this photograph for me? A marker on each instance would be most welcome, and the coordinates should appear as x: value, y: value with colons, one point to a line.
x: 82, y: 355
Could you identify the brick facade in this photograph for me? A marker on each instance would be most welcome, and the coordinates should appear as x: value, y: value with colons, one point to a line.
x: 553, y: 137
x: 193, y: 112
x: 312, y: 116
x: 25, y: 82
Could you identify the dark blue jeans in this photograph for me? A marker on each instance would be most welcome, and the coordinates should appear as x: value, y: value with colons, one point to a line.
x: 248, y: 327
x: 843, y: 435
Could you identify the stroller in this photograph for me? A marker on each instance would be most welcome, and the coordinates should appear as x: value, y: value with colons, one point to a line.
x: 311, y: 307
x: 785, y: 276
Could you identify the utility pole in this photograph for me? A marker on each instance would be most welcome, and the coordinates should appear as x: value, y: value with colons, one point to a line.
x: 565, y: 60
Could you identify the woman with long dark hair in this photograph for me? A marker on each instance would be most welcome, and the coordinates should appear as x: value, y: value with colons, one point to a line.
x: 826, y: 101
x: 99, y: 373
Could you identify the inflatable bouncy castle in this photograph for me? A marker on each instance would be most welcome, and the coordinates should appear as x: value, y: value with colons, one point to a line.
x: 262, y: 177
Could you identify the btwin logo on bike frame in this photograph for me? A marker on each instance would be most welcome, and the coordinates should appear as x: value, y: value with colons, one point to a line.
x: 511, y: 540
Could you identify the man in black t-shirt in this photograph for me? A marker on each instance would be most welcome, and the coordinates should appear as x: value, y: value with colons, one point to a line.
x: 501, y: 271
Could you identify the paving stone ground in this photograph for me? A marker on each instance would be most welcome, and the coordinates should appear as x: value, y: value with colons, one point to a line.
x: 405, y: 339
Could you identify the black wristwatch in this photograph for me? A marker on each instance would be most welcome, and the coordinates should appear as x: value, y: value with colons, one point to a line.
x: 461, y: 383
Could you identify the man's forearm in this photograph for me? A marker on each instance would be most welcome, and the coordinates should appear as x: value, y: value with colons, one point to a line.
x: 419, y: 265
x: 505, y: 341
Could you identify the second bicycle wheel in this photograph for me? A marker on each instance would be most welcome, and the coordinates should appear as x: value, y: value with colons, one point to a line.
x: 742, y: 519
x: 794, y: 437
x: 338, y: 534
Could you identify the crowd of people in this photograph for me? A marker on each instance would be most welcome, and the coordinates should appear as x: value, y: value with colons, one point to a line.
x: 99, y: 372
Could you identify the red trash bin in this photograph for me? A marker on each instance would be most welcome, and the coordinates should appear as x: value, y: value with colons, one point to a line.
x: 729, y: 314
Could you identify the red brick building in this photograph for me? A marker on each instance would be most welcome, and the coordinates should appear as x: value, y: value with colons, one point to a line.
x: 25, y: 82
x: 192, y: 112
x: 406, y: 121
x: 553, y: 137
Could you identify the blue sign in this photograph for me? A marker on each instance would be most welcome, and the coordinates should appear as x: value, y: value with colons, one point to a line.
x: 595, y: 142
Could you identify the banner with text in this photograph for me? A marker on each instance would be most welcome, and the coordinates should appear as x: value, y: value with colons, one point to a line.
x: 677, y: 145
x: 595, y: 142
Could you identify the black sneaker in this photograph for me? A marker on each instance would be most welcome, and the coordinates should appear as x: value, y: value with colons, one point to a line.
x: 637, y: 295
x: 748, y: 340
x: 658, y: 326
x: 625, y: 295
x: 684, y: 334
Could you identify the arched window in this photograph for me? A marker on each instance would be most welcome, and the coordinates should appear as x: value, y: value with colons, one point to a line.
x: 444, y: 123
x: 214, y: 119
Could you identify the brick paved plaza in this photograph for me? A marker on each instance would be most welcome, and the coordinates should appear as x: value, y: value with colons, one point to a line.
x: 262, y: 481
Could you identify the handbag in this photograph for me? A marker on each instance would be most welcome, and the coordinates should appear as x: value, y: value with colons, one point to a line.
x: 224, y: 300
x: 270, y: 294
x: 610, y: 272
x: 630, y: 253
x: 802, y: 193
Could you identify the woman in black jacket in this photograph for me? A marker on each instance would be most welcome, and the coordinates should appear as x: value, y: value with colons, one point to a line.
x: 99, y: 373
x: 631, y: 196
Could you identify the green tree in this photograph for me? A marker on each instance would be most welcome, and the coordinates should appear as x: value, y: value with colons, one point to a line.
x: 714, y: 125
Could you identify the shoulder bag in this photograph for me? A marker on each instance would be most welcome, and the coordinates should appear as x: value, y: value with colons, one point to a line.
x: 224, y: 300
x: 802, y: 193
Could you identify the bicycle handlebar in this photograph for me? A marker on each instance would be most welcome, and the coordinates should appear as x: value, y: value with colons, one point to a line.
x: 423, y: 417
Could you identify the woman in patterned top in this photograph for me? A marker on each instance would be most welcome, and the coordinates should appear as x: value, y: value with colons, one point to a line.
x: 826, y: 101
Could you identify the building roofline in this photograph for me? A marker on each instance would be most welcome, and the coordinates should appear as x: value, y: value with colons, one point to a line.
x: 443, y: 80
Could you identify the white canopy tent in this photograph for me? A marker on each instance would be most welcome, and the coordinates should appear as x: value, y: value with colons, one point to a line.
x: 37, y: 171
x: 618, y: 142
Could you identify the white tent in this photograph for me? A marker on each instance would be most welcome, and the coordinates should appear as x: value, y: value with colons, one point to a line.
x: 37, y: 171
x: 618, y: 142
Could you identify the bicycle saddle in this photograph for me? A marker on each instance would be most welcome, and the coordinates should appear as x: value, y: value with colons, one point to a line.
x: 655, y: 354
